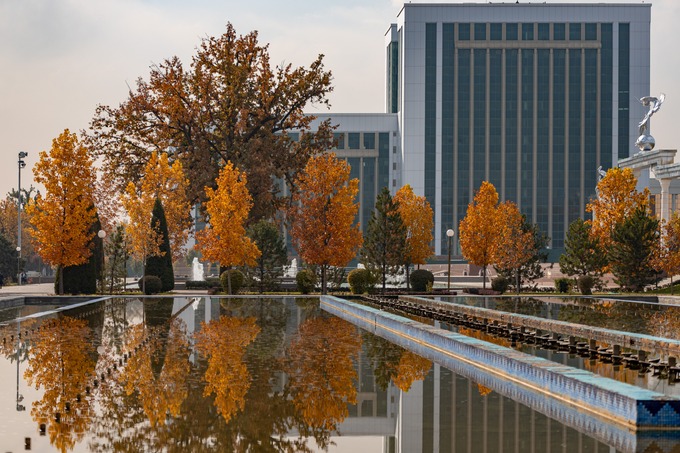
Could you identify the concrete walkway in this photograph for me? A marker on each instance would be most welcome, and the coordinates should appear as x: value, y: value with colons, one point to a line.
x: 31, y: 289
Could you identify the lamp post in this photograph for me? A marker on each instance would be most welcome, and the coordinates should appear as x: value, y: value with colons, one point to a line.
x: 450, y: 234
x: 22, y: 164
x: 102, y: 234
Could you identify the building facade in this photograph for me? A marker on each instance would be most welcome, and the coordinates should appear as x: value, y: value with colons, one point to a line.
x: 532, y: 97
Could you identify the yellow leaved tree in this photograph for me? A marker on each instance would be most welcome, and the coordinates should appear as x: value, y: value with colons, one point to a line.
x: 224, y: 239
x: 517, y: 241
x: 418, y: 219
x: 668, y: 256
x: 61, y: 220
x: 323, y: 213
x: 322, y: 385
x: 617, y: 199
x: 480, y: 230
x: 223, y: 343
x: 168, y: 184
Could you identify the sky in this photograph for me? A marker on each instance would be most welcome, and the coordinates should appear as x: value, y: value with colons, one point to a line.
x: 59, y: 59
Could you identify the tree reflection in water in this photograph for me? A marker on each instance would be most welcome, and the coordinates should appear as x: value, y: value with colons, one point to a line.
x: 321, y: 372
x: 61, y: 363
x: 223, y: 342
x: 393, y: 363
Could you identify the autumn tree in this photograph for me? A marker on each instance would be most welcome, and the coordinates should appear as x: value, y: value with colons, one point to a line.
x: 273, y: 256
x: 617, y: 199
x: 322, y: 385
x: 61, y: 220
x: 517, y: 241
x: 632, y: 249
x: 323, y: 212
x: 61, y: 365
x: 224, y: 239
x: 223, y: 343
x: 418, y: 219
x: 668, y: 258
x: 167, y: 183
x: 480, y: 230
x: 230, y: 104
x: 385, y: 242
x: 583, y: 254
x: 8, y: 225
x: 116, y: 251
x: 82, y: 278
x: 159, y: 263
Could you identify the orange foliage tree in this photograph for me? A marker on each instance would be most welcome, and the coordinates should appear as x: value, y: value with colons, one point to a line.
x: 61, y: 363
x: 412, y: 367
x: 668, y: 253
x: 480, y: 230
x: 224, y: 344
x: 224, y: 239
x: 62, y: 219
x: 517, y: 242
x: 616, y: 200
x: 322, y: 385
x: 323, y: 213
x: 161, y: 385
x: 418, y: 219
x: 168, y: 184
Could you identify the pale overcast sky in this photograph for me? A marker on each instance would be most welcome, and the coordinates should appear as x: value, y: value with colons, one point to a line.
x: 61, y: 58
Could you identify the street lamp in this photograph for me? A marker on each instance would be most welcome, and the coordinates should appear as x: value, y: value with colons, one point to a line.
x: 450, y: 234
x: 102, y: 234
x: 22, y: 164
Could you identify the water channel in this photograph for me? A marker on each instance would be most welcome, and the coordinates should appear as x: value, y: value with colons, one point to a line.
x: 248, y: 374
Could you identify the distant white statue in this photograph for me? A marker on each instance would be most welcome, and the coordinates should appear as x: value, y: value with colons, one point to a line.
x: 292, y: 270
x: 197, y: 271
x: 645, y: 141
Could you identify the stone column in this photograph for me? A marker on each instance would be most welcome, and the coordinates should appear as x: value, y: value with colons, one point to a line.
x: 665, y: 199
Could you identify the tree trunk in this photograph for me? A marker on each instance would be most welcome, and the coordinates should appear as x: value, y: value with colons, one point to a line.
x: 408, y: 273
x: 323, y: 279
x: 484, y: 277
x: 517, y: 282
x: 61, y: 279
x: 229, y: 280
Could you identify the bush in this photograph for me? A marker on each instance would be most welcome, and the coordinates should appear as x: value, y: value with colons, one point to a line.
x: 420, y: 279
x: 360, y: 281
x: 563, y: 285
x: 306, y: 281
x: 500, y: 284
x: 150, y: 284
x: 203, y: 284
x: 237, y: 280
x: 585, y: 284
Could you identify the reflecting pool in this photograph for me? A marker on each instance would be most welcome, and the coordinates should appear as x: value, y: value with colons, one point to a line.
x: 248, y: 374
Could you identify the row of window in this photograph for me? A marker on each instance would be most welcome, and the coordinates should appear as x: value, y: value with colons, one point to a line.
x: 543, y: 31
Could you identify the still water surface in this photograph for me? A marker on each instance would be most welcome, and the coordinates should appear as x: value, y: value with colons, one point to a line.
x: 247, y: 374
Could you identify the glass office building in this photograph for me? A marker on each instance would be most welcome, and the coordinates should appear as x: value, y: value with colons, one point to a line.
x: 531, y: 97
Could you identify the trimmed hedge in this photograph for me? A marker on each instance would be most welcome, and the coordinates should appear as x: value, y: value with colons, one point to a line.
x: 421, y: 279
x: 360, y: 281
x: 237, y: 280
x: 306, y: 281
x: 500, y: 284
x: 150, y: 284
x: 203, y: 284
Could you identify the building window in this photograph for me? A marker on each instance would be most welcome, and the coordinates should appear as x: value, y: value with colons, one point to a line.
x: 369, y: 141
x: 463, y: 32
x: 559, y: 32
x: 591, y: 32
x: 496, y: 32
x: 511, y: 32
x: 527, y: 32
x: 575, y: 32
x: 480, y: 32
x: 544, y: 32
x: 354, y: 140
x: 339, y: 137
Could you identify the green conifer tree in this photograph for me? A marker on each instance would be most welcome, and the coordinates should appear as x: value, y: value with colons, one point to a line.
x: 160, y: 264
x: 583, y: 254
x: 632, y: 251
x: 269, y: 268
x: 385, y: 240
